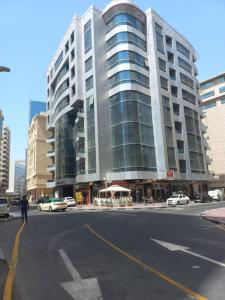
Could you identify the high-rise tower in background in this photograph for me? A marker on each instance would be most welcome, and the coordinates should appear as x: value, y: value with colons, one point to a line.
x: 19, y: 177
x: 1, y: 123
x: 123, y: 106
x: 4, y: 158
x: 36, y: 107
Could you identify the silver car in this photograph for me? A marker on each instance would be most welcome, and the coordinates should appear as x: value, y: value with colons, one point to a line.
x: 4, y: 207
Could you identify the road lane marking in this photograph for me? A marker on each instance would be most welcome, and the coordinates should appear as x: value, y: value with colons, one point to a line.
x: 175, y: 247
x: 7, y: 294
x: 162, y: 276
x: 119, y: 213
x: 221, y: 227
x: 80, y: 289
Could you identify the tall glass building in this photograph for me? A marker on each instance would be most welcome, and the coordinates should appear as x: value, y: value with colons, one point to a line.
x: 35, y: 108
x: 123, y: 106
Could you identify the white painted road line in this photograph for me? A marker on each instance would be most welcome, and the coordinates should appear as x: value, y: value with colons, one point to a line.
x: 80, y: 289
x: 119, y: 213
x: 175, y: 247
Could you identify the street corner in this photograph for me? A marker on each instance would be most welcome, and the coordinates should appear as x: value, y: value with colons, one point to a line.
x: 11, y: 217
x: 214, y: 215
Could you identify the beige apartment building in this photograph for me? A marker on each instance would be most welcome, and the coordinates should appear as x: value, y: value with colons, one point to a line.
x: 37, y: 159
x: 213, y: 105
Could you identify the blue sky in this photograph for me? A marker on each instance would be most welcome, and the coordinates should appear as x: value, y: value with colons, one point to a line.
x: 30, y: 32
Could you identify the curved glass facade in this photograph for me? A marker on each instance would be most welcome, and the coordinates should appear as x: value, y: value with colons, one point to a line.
x: 132, y: 132
x: 61, y: 73
x: 65, y: 154
x: 126, y: 57
x: 125, y: 18
x: 61, y: 89
x: 62, y: 104
x: 128, y: 76
x: 127, y: 38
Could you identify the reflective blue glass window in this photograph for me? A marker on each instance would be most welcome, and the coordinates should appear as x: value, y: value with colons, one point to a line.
x: 208, y: 105
x: 87, y: 37
x: 124, y: 18
x: 222, y: 100
x: 222, y: 89
x: 208, y: 94
x: 126, y: 57
x: 126, y: 37
x: 128, y: 76
x: 159, y: 38
x: 183, y: 49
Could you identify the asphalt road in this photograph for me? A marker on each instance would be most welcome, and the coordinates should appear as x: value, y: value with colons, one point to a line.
x: 116, y: 257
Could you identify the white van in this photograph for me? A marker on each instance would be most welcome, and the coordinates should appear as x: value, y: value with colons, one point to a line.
x: 216, y: 194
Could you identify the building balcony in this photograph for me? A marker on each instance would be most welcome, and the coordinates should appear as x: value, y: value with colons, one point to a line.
x: 204, y: 128
x: 51, y: 168
x: 81, y: 153
x: 50, y: 183
x: 50, y: 140
x: 195, y: 70
x: 208, y: 160
x: 51, y: 153
x: 80, y: 113
x: 205, y: 143
x: 201, y: 112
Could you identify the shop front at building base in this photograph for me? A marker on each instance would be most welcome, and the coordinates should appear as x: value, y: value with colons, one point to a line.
x: 141, y: 190
x: 34, y: 194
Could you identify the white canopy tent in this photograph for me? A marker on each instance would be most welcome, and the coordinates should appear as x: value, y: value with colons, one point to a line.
x: 114, y: 188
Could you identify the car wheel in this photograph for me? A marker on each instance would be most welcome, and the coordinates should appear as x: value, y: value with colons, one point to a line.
x: 39, y: 208
x: 178, y: 202
x: 187, y: 202
x: 7, y: 215
x: 50, y: 208
x: 63, y: 209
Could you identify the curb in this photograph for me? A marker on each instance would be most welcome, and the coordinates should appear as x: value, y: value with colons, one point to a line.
x: 10, y: 218
x: 211, y: 219
x: 116, y: 208
x: 4, y: 270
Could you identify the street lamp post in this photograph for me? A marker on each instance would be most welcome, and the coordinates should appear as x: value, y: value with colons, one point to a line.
x: 4, y: 69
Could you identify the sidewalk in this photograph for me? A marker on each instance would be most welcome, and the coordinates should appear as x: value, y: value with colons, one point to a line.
x: 134, y: 206
x: 216, y: 215
x: 3, y: 272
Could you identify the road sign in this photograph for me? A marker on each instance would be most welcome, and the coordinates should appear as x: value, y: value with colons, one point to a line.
x: 170, y: 174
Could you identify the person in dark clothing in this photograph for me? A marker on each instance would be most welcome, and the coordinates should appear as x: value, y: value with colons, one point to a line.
x: 24, y: 205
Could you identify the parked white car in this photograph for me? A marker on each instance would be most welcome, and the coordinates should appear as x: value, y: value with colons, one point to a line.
x: 178, y: 199
x: 52, y: 204
x: 4, y: 207
x: 69, y: 201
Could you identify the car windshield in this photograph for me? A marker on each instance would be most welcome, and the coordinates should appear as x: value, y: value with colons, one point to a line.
x: 174, y: 196
x: 56, y: 199
x: 3, y: 201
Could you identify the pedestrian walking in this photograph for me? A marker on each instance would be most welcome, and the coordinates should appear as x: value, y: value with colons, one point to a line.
x: 24, y: 205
